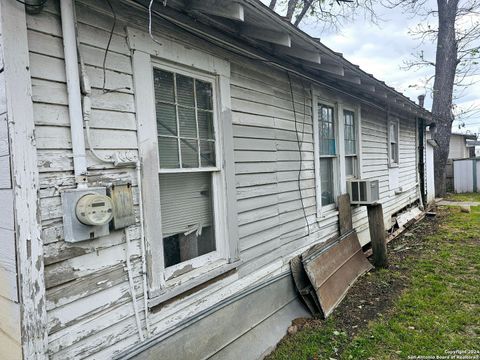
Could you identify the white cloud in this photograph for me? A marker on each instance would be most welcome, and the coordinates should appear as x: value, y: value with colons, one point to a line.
x: 383, y: 49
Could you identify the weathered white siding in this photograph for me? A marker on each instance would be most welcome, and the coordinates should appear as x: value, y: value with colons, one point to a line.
x: 88, y: 300
x: 89, y: 307
x: 458, y: 148
x: 403, y: 179
x: 272, y: 222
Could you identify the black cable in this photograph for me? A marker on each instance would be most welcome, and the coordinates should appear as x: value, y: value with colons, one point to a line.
x: 108, y: 46
x: 299, y: 145
x: 34, y: 5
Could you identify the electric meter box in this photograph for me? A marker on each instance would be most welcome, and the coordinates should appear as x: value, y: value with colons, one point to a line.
x: 122, y: 199
x: 86, y: 213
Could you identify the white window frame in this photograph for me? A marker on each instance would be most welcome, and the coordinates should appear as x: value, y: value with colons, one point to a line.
x: 328, y: 210
x: 165, y: 283
x: 358, y: 147
x: 393, y: 162
x: 158, y: 64
x: 216, y: 172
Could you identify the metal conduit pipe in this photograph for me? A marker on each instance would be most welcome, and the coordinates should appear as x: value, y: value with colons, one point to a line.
x: 73, y: 88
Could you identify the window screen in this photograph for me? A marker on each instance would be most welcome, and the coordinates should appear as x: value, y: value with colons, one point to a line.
x: 184, y: 107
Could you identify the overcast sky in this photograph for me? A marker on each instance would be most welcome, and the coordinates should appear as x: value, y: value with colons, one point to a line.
x: 382, y: 50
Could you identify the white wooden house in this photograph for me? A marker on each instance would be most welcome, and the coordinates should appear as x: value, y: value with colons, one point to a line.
x: 233, y: 131
x: 460, y: 147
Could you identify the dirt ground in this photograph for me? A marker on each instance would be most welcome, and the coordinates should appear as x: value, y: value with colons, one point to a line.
x: 371, y: 297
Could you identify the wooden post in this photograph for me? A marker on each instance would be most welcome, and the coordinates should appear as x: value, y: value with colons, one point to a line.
x: 377, y: 235
x: 344, y: 214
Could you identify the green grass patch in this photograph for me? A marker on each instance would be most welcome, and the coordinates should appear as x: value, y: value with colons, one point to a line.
x: 463, y: 197
x: 438, y: 310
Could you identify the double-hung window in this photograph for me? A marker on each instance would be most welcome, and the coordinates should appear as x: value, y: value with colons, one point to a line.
x: 393, y: 138
x: 183, y: 111
x: 327, y: 161
x: 350, y: 136
x: 186, y: 147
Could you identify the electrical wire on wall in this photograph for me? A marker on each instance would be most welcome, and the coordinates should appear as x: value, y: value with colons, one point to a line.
x: 299, y: 145
x: 110, y: 36
x: 150, y: 20
x: 107, y: 49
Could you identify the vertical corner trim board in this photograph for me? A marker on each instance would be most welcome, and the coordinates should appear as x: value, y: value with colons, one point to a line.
x: 24, y: 180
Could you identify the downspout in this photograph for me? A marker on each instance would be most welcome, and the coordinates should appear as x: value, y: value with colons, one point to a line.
x: 73, y: 89
x: 421, y: 156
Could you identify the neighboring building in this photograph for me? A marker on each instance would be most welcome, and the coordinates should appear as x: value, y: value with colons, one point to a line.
x: 246, y: 130
x: 459, y: 148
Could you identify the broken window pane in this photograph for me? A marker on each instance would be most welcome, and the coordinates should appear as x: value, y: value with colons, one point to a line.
x: 187, y: 216
x: 186, y: 140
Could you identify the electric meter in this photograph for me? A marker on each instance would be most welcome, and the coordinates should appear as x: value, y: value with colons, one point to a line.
x: 94, y: 209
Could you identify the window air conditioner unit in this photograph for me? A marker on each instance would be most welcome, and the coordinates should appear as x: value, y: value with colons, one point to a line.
x: 363, y: 192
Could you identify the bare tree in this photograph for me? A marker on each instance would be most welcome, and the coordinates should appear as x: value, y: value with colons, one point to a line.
x: 331, y: 13
x: 457, y: 39
x: 456, y: 35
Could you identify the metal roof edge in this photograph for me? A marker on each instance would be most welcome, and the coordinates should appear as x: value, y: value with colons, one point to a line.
x: 286, y: 25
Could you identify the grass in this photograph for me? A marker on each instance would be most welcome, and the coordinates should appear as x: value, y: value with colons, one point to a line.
x: 463, y: 197
x: 438, y: 311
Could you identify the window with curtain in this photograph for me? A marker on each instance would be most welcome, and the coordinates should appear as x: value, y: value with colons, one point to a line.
x: 328, y: 152
x: 350, y: 137
x: 393, y: 142
x: 186, y: 146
